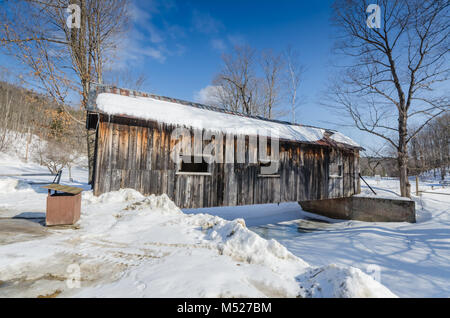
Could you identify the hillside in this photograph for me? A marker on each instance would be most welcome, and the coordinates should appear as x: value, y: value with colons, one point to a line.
x: 36, y: 128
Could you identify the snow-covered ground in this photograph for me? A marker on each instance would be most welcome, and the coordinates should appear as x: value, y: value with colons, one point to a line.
x: 18, y: 196
x: 412, y: 260
x: 129, y: 245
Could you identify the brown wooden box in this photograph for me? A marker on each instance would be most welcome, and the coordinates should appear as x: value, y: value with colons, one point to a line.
x: 63, y: 209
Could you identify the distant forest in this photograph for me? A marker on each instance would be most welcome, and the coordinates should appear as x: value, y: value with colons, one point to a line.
x: 429, y: 151
x: 59, y: 130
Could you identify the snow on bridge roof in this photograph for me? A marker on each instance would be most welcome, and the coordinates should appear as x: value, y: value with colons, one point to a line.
x: 119, y: 102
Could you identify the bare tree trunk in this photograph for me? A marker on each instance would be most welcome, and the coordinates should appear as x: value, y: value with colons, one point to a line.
x: 294, y: 73
x: 90, y: 139
x: 405, y: 187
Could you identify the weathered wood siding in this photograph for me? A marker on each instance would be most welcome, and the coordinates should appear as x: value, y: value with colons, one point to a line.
x: 136, y: 154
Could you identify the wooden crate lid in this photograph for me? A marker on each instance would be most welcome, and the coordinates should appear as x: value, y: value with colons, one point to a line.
x: 63, y: 188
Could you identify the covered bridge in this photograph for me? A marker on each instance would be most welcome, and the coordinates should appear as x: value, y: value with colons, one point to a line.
x: 135, y: 148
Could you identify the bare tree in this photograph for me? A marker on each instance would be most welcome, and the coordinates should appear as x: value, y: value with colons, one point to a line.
x: 293, y: 75
x: 251, y: 82
x: 5, y: 106
x: 238, y: 81
x: 54, y: 156
x: 374, y: 156
x: 272, y: 66
x: 398, y: 72
x: 126, y: 78
x: 62, y: 59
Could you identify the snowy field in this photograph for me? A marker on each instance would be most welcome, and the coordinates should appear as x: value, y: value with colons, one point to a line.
x: 128, y: 245
x: 412, y: 260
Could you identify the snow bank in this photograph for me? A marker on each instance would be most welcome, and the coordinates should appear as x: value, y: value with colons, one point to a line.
x: 132, y: 245
x: 281, y: 273
x: 121, y: 196
x: 342, y: 282
x: 10, y: 186
x: 235, y: 240
x: 160, y: 203
x: 177, y: 114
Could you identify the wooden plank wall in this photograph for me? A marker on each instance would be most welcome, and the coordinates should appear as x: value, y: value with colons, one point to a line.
x: 134, y: 154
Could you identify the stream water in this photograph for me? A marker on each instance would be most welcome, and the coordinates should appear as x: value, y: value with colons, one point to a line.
x: 292, y: 229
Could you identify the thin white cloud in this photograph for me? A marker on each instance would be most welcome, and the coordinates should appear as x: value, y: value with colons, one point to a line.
x: 208, y: 95
x: 150, y: 36
x: 230, y: 40
x: 204, y: 23
x: 138, y: 15
x: 218, y: 44
x: 154, y: 53
x: 133, y: 50
x: 236, y: 39
x: 154, y: 37
x: 155, y: 34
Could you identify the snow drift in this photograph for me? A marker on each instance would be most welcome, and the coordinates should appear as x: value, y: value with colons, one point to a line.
x: 130, y: 245
x: 341, y: 282
x: 281, y: 271
x: 9, y: 185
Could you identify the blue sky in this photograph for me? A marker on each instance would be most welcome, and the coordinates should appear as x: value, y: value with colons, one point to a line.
x: 179, y: 44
